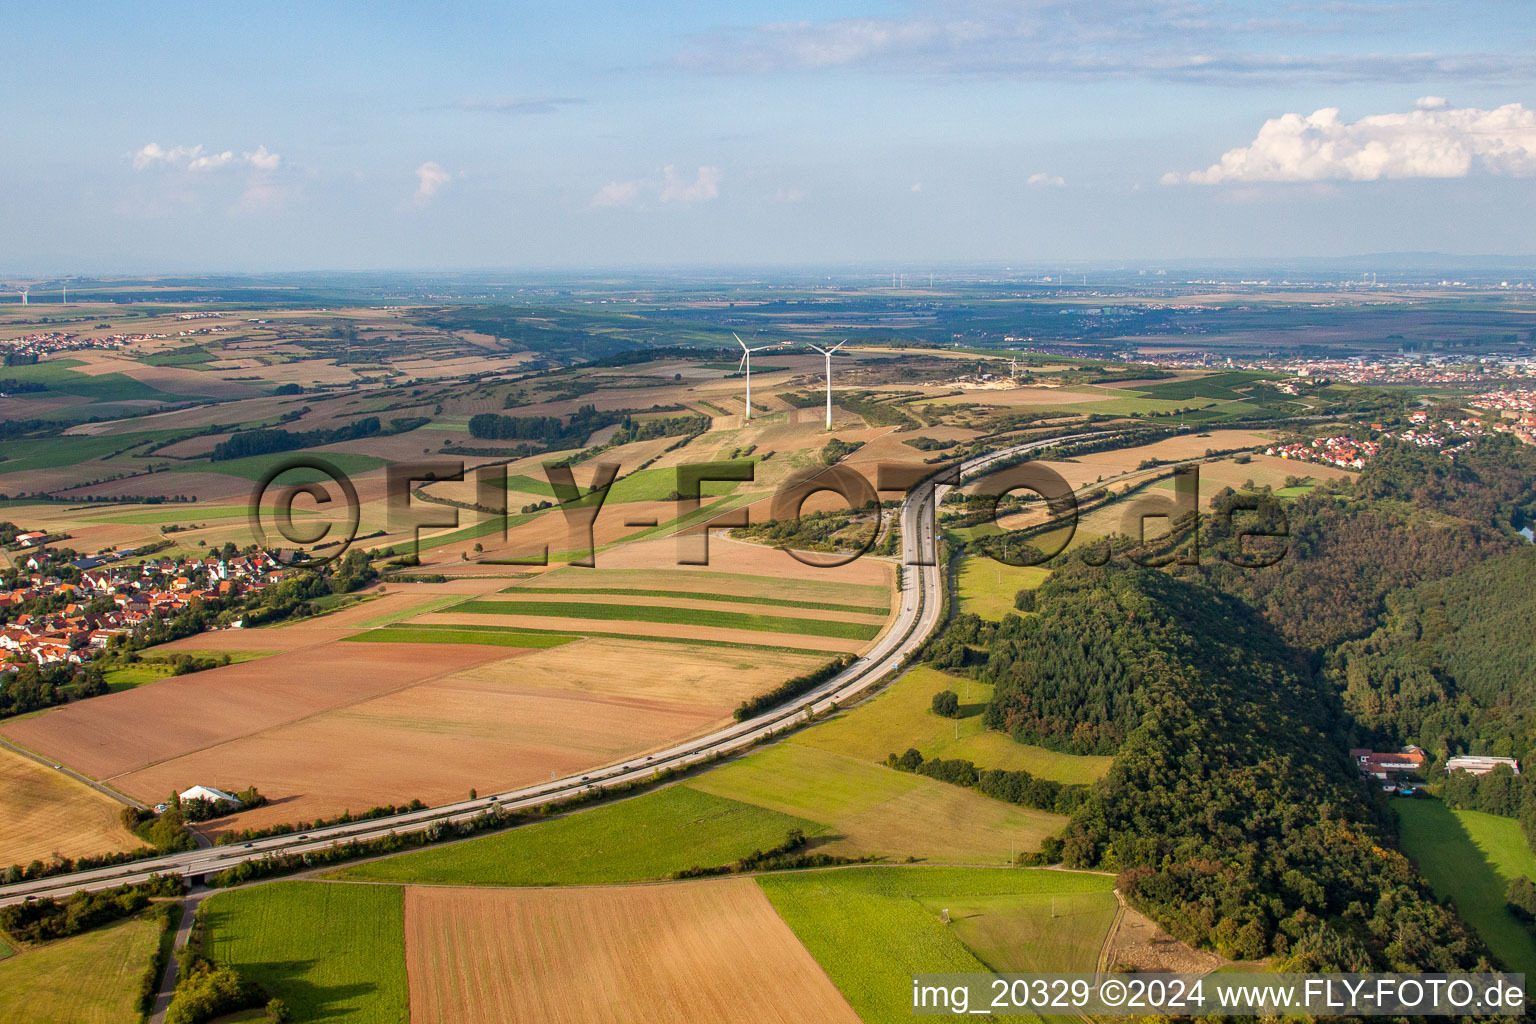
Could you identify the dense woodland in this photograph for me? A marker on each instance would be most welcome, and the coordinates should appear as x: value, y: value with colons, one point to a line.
x: 1401, y: 612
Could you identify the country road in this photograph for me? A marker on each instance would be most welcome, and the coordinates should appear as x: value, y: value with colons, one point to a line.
x: 917, y: 618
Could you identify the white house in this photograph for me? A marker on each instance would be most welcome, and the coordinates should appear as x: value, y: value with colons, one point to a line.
x: 211, y: 795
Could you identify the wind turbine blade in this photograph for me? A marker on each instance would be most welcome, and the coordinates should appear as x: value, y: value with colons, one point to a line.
x: 839, y: 345
x: 739, y: 341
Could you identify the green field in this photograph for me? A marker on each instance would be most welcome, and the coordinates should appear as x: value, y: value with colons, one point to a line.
x: 152, y: 667
x: 59, y: 375
x: 686, y: 616
x: 902, y: 717
x: 92, y: 978
x: 1471, y: 858
x: 1219, y: 386
x: 331, y: 952
x: 406, y: 635
x: 254, y: 467
x: 648, y: 837
x: 54, y: 452
x: 5, y: 951
x: 779, y: 602
x: 817, y: 591
x: 879, y: 811
x: 987, y: 587
x: 637, y: 637
x: 871, y: 929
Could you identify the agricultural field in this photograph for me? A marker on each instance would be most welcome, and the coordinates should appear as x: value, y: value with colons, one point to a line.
x: 704, y: 950
x: 873, y: 928
x: 331, y: 952
x: 902, y: 717
x: 987, y: 587
x: 45, y: 813
x: 1470, y: 858
x: 91, y: 978
x: 877, y: 811
x: 646, y: 837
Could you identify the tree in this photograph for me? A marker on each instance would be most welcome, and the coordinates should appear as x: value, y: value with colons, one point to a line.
x: 946, y: 703
x: 278, y: 1012
x: 1521, y: 899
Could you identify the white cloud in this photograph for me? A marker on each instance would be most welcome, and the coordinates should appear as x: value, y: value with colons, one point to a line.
x: 193, y: 158
x: 430, y: 178
x: 1431, y: 102
x: 670, y: 187
x: 705, y: 186
x: 1041, y: 178
x: 917, y: 186
x: 789, y: 195
x: 1432, y: 141
x: 262, y: 160
x: 617, y: 193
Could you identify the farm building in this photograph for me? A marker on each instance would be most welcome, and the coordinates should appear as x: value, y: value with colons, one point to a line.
x: 1380, y: 765
x: 1476, y: 765
x: 213, y: 796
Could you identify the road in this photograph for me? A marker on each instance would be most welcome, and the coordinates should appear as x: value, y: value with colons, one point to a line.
x: 921, y: 606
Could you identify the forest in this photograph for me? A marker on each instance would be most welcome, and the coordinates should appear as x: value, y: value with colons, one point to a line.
x: 1231, y: 810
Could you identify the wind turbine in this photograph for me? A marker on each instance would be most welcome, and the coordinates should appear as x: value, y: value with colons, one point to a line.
x: 1013, y: 369
x: 827, y: 352
x: 746, y: 362
x: 24, y: 296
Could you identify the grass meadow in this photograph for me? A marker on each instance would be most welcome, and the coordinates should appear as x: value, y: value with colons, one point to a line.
x: 1471, y: 858
x: 331, y: 952
x: 872, y: 928
x: 647, y: 837
x: 686, y: 616
x: 92, y: 978
x: 902, y: 717
x: 987, y: 587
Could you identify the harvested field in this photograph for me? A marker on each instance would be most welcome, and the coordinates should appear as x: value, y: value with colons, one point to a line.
x: 45, y: 814
x: 737, y: 557
x: 107, y: 737
x: 709, y: 950
x: 507, y: 720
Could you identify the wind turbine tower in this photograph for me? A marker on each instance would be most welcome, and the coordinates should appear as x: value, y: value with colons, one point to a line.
x: 827, y: 352
x: 24, y: 296
x: 746, y: 363
x: 65, y: 300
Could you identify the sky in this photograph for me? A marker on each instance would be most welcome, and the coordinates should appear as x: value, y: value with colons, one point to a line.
x: 273, y: 137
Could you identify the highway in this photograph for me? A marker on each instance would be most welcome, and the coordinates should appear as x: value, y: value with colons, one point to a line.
x: 919, y: 614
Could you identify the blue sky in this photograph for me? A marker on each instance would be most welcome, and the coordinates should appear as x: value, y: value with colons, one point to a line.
x: 172, y: 137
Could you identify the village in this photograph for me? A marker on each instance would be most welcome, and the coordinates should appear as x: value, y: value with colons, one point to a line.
x: 94, y: 600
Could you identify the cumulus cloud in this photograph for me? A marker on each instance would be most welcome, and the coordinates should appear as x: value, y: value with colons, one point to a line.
x: 430, y: 178
x: 617, y: 193
x: 669, y: 187
x: 1434, y: 140
x: 704, y: 186
x: 1041, y: 178
x: 1176, y: 40
x: 194, y: 158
